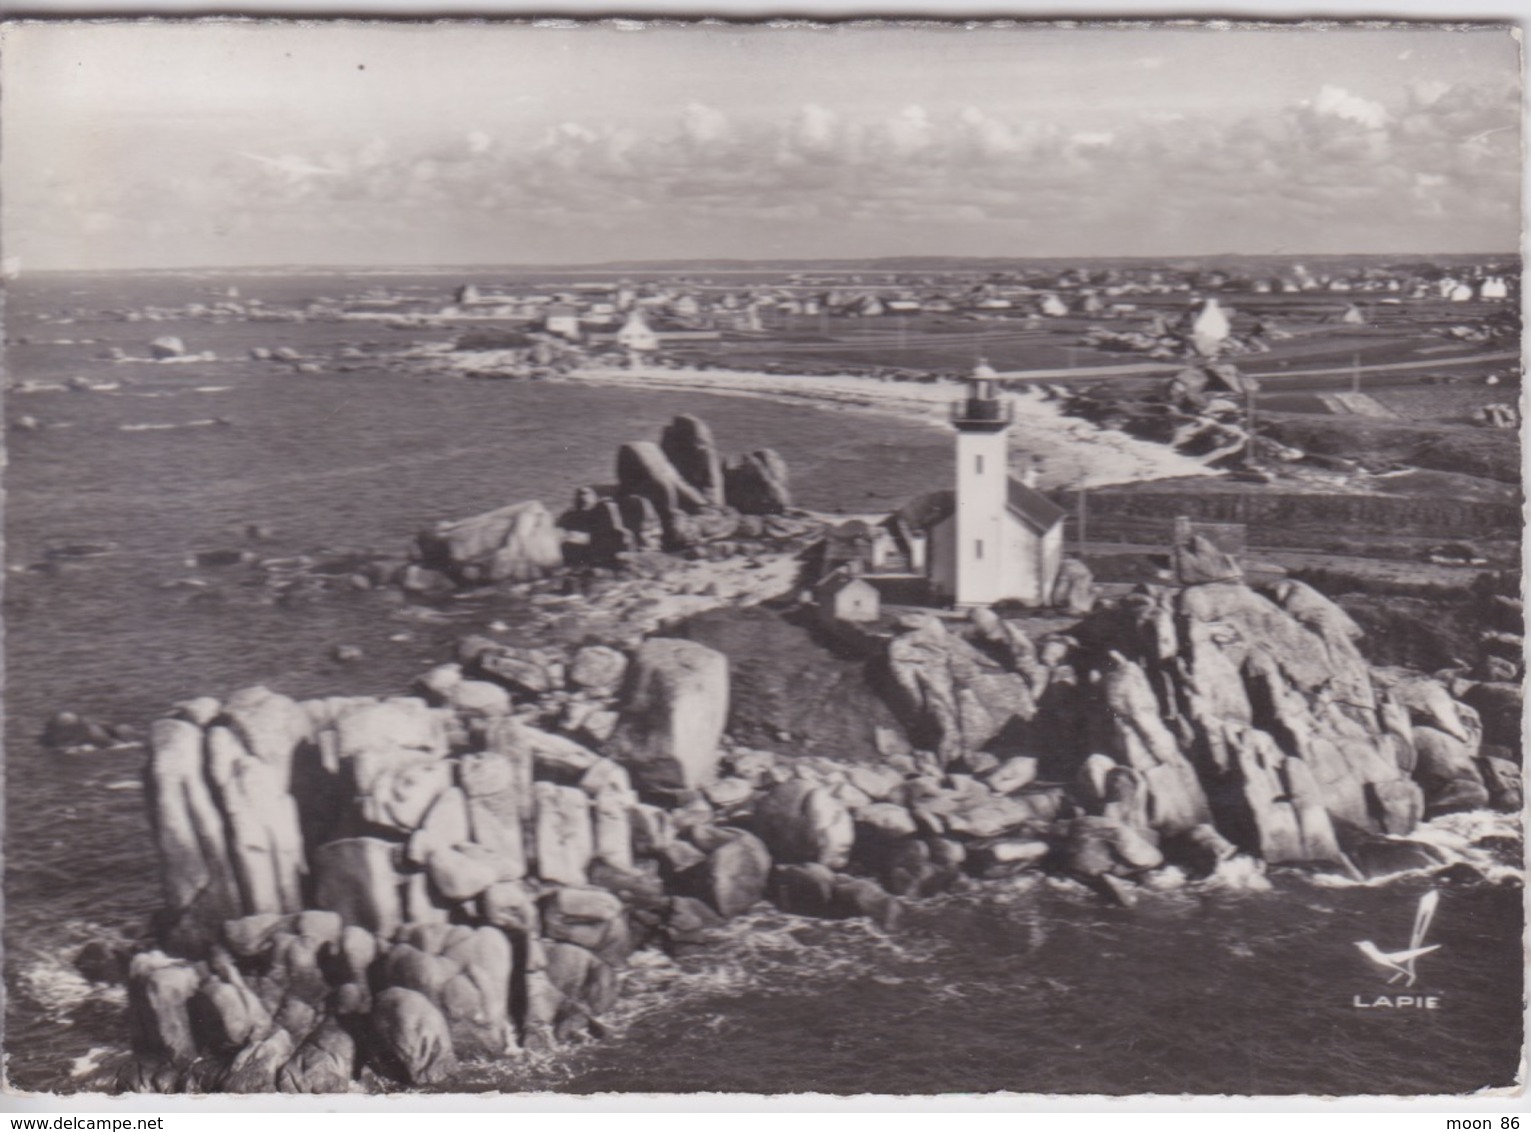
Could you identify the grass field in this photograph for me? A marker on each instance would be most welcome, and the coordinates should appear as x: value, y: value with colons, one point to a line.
x: 1446, y: 404
x: 1492, y: 454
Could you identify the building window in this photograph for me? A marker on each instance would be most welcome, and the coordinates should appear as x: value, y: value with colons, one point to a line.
x: 978, y: 463
x: 978, y: 549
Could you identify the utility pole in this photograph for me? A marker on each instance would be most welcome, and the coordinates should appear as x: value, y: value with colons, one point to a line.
x: 1080, y: 526
x: 1250, y: 458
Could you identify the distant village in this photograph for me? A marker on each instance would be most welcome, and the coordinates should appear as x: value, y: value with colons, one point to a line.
x: 666, y: 318
x: 648, y: 315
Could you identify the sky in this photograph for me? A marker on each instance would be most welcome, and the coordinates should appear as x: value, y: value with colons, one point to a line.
x: 142, y: 144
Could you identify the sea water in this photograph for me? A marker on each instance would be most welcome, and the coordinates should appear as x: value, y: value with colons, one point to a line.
x: 1030, y: 985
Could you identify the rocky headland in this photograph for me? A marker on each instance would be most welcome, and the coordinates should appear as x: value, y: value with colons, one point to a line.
x: 368, y: 891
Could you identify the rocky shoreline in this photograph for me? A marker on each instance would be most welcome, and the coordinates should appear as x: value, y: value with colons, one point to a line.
x: 370, y: 891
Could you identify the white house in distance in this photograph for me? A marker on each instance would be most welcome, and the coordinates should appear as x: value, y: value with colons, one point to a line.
x: 636, y: 335
x: 1494, y: 287
x: 997, y: 538
x: 562, y: 319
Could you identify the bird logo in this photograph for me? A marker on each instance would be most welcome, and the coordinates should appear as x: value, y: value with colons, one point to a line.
x: 1400, y: 964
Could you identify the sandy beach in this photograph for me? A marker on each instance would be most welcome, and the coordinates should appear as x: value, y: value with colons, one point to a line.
x: 1071, y: 452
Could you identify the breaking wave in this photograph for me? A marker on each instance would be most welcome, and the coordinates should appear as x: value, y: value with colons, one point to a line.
x: 1491, y: 843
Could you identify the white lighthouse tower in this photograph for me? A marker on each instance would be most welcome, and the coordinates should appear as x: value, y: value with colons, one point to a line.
x: 982, y: 421
x: 996, y: 537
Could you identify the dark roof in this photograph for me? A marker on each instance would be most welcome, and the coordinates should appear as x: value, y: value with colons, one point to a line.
x: 1034, y: 507
x: 1028, y: 504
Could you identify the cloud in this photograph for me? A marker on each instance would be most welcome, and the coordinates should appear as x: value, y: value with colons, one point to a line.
x: 1430, y: 167
x: 1340, y: 103
x: 910, y: 131
x: 703, y: 125
x: 813, y: 130
x: 1428, y: 91
x: 986, y: 135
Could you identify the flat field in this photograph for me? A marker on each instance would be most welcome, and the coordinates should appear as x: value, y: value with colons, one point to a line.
x: 1403, y: 342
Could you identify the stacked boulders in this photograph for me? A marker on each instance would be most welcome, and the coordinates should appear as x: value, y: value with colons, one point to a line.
x: 387, y: 883
x: 854, y: 840
x: 377, y: 889
x: 366, y: 886
x: 674, y: 495
x: 1210, y: 717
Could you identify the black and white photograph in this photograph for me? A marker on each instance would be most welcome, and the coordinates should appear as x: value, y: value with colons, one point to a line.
x: 865, y: 558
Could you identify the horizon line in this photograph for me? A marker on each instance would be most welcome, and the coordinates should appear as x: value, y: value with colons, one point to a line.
x: 720, y: 261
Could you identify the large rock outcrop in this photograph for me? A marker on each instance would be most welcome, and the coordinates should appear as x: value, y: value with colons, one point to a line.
x: 674, y: 495
x: 435, y: 814
x: 518, y: 543
x: 757, y: 483
x: 954, y: 698
x: 687, y: 442
x: 261, y: 817
x: 1266, y: 700
x: 644, y: 470
x: 394, y: 884
x: 1137, y: 737
x: 226, y: 822
x: 1212, y: 706
x: 191, y: 835
x: 673, y: 714
x: 476, y: 886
